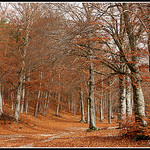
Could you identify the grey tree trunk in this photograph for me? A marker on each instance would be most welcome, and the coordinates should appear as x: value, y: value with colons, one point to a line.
x: 17, y: 103
x: 74, y: 107
x: 44, y: 109
x: 69, y: 102
x: 149, y: 46
x: 92, y: 124
x: 128, y: 96
x: 1, y: 101
x: 148, y: 7
x: 122, y: 101
x: 61, y: 106
x: 37, y: 101
x: 101, y: 102
x: 82, y: 106
x: 36, y: 109
x: 26, y: 106
x: 138, y: 97
x: 139, y: 105
x: 109, y: 105
x: 101, y: 110
x: 23, y: 98
x: 58, y: 103
x: 72, y: 102
x: 87, y: 112
x: 26, y: 100
x: 45, y: 103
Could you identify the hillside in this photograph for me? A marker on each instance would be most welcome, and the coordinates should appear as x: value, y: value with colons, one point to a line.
x: 64, y: 130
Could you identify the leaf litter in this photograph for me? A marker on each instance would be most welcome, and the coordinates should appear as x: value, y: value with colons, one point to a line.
x: 64, y: 131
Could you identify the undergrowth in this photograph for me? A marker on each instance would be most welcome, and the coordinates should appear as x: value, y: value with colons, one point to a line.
x: 6, y: 118
x: 133, y: 129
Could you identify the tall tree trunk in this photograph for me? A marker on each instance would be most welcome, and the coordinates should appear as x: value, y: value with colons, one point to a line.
x: 87, y: 112
x: 26, y: 100
x: 138, y: 97
x: 92, y: 124
x: 74, y: 107
x: 1, y: 101
x: 101, y: 101
x: 109, y: 105
x: 44, y: 109
x: 68, y: 101
x: 139, y: 105
x: 58, y: 103
x: 36, y: 108
x: 37, y: 104
x: 149, y: 47
x: 101, y: 110
x: 128, y: 96
x: 148, y: 7
x: 26, y: 103
x: 23, y: 98
x: 59, y: 98
x: 12, y: 97
x: 82, y: 106
x: 17, y: 103
x: 122, y: 101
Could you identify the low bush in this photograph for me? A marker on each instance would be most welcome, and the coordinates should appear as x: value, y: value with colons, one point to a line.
x: 134, y: 129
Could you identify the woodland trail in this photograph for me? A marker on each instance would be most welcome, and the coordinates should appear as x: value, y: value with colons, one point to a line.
x: 63, y: 134
x: 62, y: 131
x: 50, y: 137
x: 42, y: 138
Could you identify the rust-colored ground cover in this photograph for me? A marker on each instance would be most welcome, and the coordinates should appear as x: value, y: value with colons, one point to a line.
x: 62, y: 131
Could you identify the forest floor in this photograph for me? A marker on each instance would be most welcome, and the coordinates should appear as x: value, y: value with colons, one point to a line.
x: 62, y: 131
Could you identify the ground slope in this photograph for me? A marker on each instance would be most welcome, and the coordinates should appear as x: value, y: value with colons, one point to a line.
x: 62, y: 131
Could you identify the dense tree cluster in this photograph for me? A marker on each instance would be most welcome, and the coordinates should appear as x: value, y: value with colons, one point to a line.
x: 87, y: 58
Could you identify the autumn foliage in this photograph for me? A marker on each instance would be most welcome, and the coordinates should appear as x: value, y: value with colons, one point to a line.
x: 86, y: 59
x: 135, y: 130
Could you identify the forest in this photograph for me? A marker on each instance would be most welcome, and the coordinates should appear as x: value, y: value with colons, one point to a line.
x: 86, y: 59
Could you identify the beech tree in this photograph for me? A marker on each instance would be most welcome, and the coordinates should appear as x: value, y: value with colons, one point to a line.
x: 62, y: 56
x: 137, y: 89
x: 26, y: 13
x: 130, y: 61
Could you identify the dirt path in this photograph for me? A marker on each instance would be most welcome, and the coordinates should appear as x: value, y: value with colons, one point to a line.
x: 40, y: 139
x: 65, y: 131
x: 55, y: 136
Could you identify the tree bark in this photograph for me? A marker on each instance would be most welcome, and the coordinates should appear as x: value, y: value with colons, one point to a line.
x: 37, y: 101
x: 68, y: 102
x: 92, y: 124
x: 36, y: 108
x: 58, y: 103
x: 1, y: 101
x: 109, y: 105
x: 148, y: 7
x: 82, y: 106
x: 23, y: 99
x: 87, y: 112
x: 101, y: 110
x: 122, y: 101
x: 44, y: 109
x: 138, y: 97
x: 17, y: 103
x: 139, y: 105
x: 101, y: 101
x: 128, y: 96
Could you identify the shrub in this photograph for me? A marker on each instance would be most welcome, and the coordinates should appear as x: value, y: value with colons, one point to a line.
x: 134, y: 129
